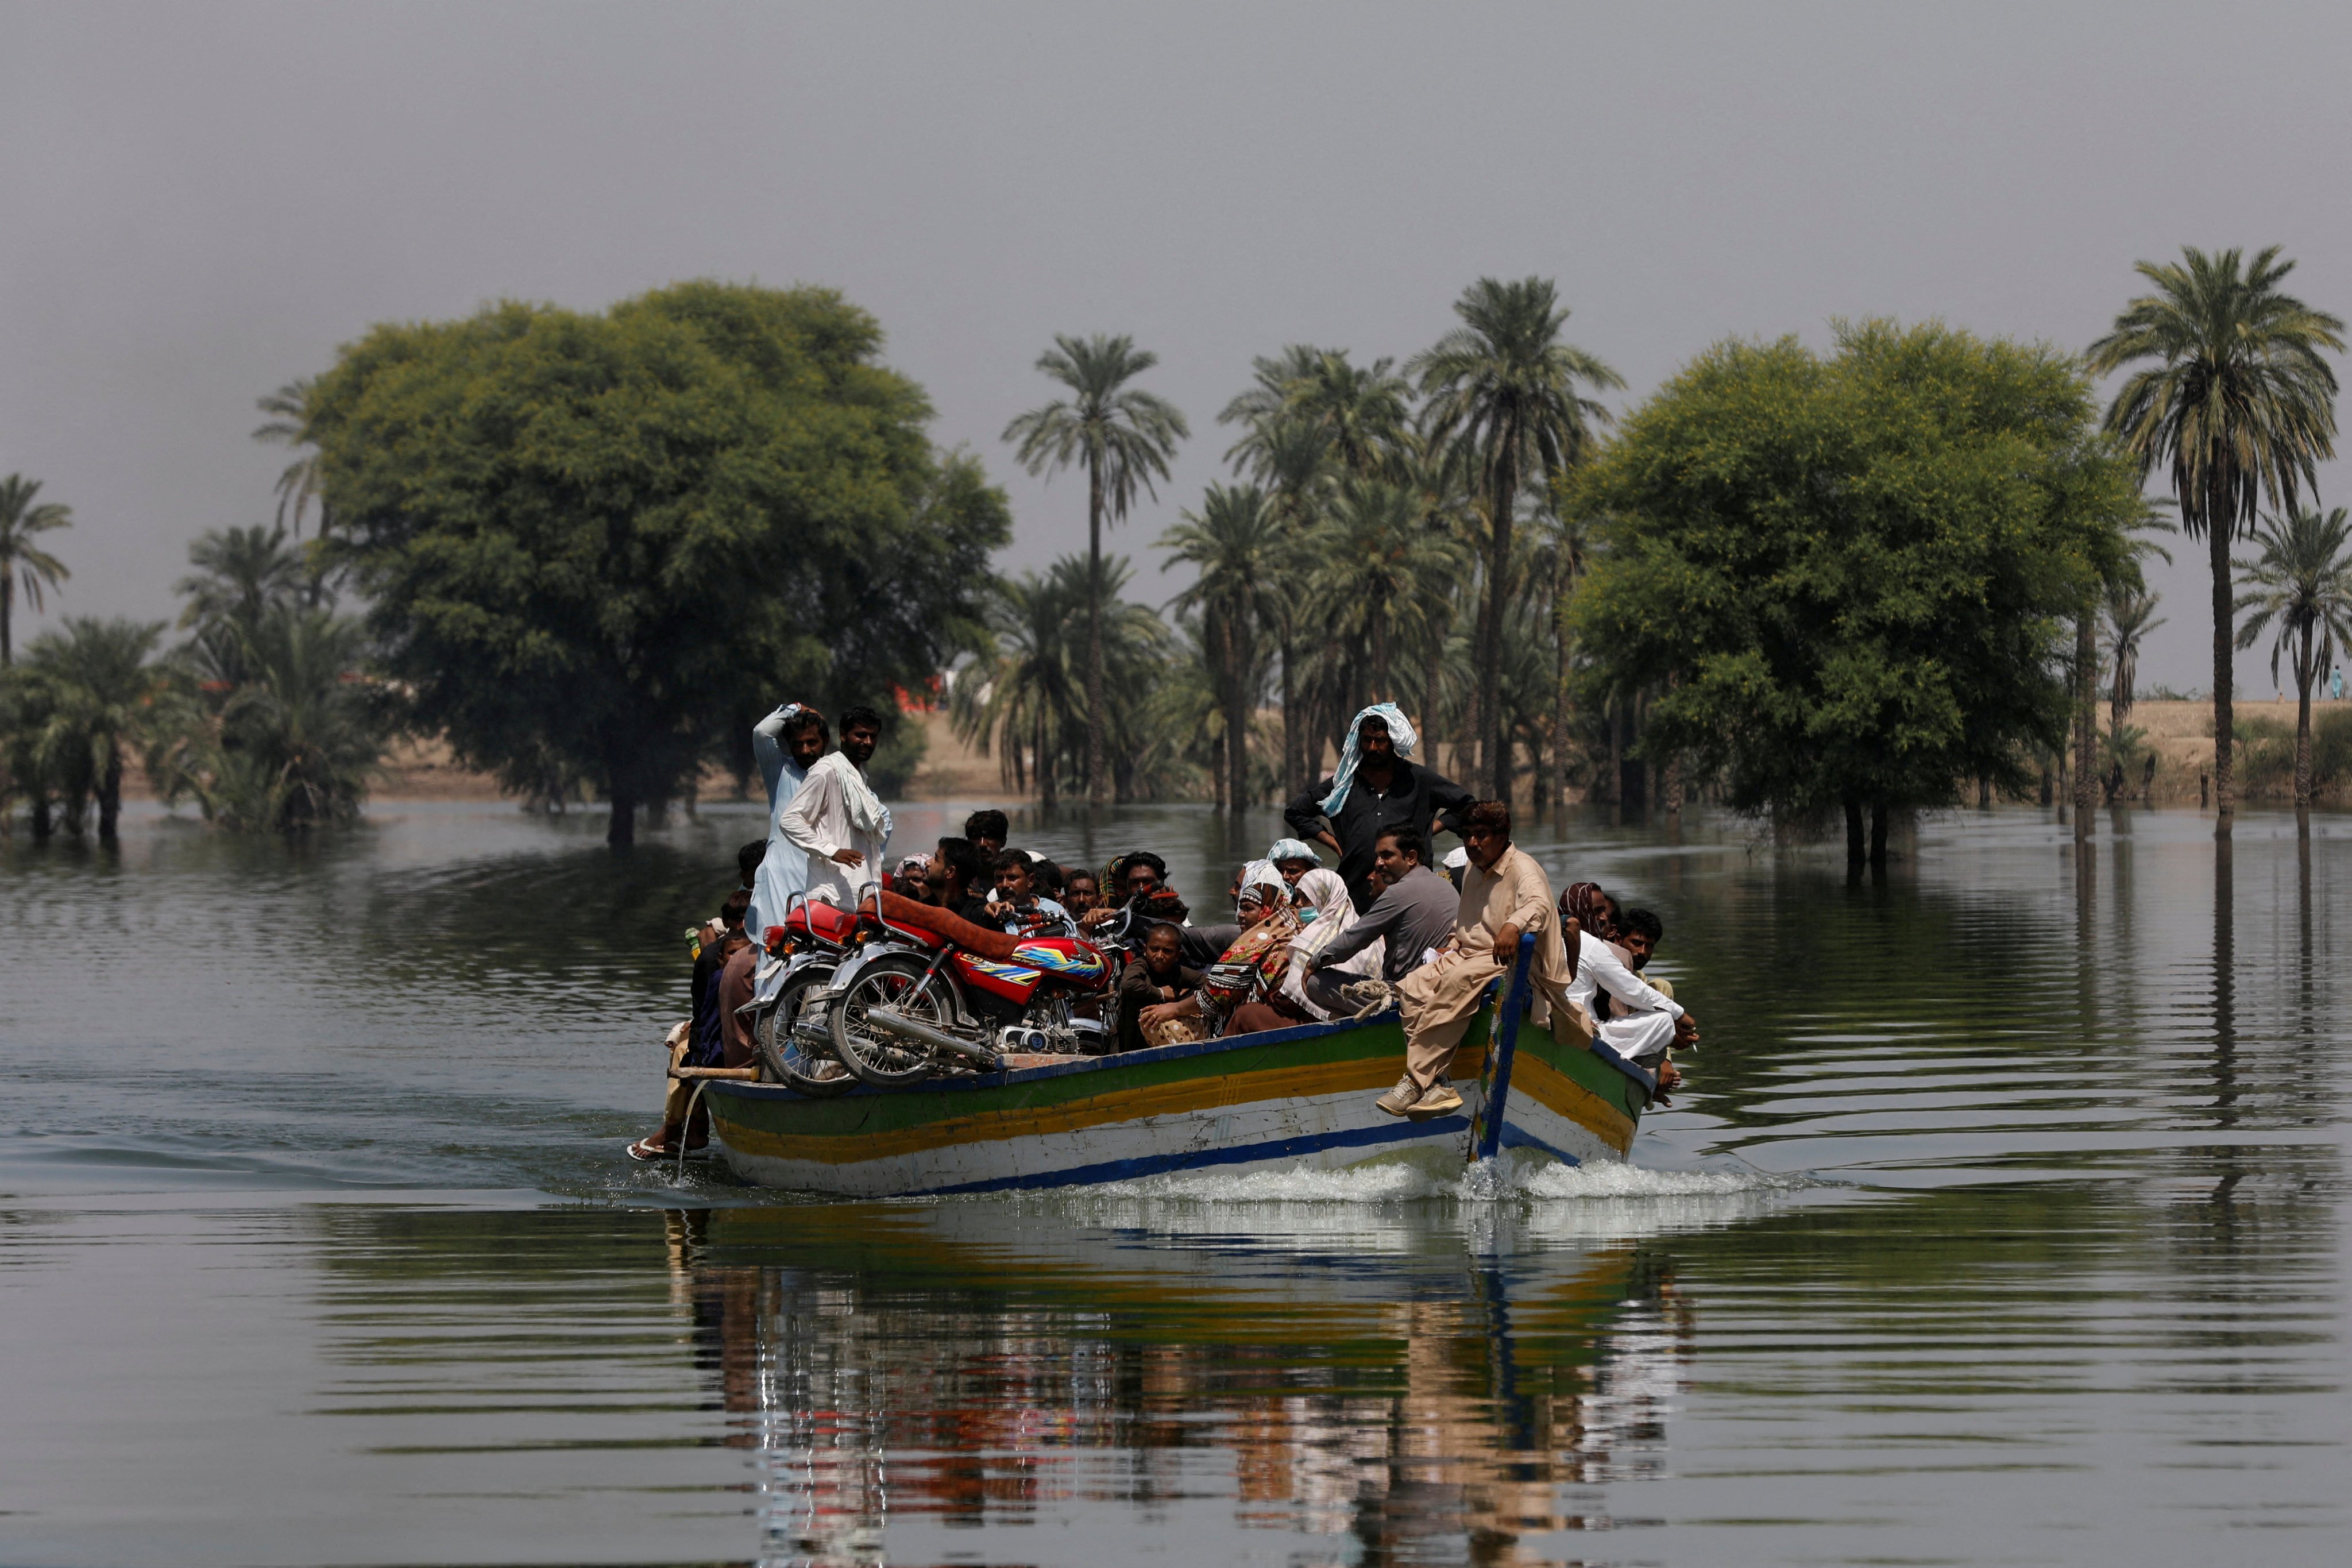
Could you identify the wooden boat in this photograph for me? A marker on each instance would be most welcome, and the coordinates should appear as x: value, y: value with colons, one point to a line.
x: 1285, y: 1099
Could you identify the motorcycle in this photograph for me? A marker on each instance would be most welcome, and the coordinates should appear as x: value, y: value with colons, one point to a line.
x: 925, y: 990
x: 800, y: 956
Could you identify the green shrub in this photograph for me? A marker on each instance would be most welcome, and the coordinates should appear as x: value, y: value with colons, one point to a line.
x: 2264, y: 759
x: 2331, y: 748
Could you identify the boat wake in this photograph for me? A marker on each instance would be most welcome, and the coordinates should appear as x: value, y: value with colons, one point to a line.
x: 1512, y: 1179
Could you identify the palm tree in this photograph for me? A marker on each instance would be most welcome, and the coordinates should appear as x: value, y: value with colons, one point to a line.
x: 2239, y: 402
x: 1502, y: 404
x: 1380, y: 560
x: 242, y: 573
x: 1237, y: 544
x: 2301, y: 583
x: 102, y: 697
x: 289, y: 408
x: 20, y: 520
x: 1023, y: 690
x: 1562, y: 558
x: 2131, y: 616
x: 1125, y: 437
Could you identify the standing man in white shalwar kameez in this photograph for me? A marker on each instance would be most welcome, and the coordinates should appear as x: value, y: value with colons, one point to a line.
x: 1505, y: 896
x: 837, y: 821
x: 787, y: 744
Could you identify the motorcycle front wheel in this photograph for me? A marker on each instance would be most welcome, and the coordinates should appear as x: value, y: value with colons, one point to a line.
x: 895, y: 982
x: 791, y: 1057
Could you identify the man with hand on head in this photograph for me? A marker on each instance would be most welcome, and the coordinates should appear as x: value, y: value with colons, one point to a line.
x: 837, y: 821
x: 786, y: 744
x: 1375, y: 789
x: 1504, y: 897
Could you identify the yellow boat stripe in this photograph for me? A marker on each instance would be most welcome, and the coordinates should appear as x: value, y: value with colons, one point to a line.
x: 1562, y: 1095
x: 1095, y: 1111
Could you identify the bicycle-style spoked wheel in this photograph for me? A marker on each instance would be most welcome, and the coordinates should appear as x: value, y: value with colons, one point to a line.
x: 790, y: 1056
x: 895, y: 982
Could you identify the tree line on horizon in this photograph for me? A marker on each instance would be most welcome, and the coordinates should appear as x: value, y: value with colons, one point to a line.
x: 590, y: 549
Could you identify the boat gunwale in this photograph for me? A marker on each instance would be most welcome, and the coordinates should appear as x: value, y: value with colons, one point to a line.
x: 1149, y: 1056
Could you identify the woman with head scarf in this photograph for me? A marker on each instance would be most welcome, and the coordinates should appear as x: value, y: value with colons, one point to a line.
x: 1375, y: 788
x: 1241, y: 993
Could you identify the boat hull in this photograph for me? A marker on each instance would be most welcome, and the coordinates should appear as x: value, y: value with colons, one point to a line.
x: 1285, y: 1100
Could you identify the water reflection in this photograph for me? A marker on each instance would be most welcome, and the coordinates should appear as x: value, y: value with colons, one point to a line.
x: 1389, y: 1388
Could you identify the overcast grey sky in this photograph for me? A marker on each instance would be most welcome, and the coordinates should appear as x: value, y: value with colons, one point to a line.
x: 202, y: 202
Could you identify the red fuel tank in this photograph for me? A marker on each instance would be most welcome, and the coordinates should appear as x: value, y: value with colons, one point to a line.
x: 1062, y: 960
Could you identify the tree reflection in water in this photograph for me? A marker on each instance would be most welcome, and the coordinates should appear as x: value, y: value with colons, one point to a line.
x: 1376, y: 1382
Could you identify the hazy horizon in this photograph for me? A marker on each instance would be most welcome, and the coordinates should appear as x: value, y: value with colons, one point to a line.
x: 206, y: 202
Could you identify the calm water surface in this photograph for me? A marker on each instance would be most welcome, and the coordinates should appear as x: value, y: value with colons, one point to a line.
x: 2005, y: 1222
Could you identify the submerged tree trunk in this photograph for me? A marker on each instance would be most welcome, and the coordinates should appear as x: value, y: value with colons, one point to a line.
x: 2086, y: 721
x: 621, y: 830
x: 2305, y: 674
x: 1237, y: 718
x: 1853, y: 848
x: 109, y: 796
x: 1562, y: 707
x: 2217, y: 533
x: 1095, y: 780
x: 1878, y: 836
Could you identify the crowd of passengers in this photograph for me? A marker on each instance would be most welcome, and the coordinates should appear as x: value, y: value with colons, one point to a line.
x: 1385, y: 923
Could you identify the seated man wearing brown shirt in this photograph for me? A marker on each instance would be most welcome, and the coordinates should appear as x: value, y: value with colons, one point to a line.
x: 1158, y: 976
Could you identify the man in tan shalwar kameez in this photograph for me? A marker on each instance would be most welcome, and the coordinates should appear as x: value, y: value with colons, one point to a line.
x: 1505, y: 896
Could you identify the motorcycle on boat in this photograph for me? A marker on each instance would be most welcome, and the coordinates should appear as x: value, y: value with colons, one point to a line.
x: 894, y: 990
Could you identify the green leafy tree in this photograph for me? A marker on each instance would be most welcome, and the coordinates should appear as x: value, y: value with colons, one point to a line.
x: 2232, y: 392
x: 1123, y: 437
x: 1238, y: 546
x: 608, y: 540
x: 22, y: 520
x: 2301, y: 585
x: 1847, y: 580
x: 1504, y: 404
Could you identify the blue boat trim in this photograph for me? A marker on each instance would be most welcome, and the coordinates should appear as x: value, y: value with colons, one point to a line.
x: 1199, y: 1159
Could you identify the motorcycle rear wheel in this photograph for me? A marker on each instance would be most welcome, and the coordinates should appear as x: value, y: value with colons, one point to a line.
x: 789, y: 1058
x: 894, y: 982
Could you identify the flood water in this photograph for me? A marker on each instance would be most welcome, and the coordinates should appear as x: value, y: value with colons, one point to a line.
x: 2004, y: 1220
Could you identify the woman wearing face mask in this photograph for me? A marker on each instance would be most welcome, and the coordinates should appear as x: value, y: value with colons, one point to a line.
x: 1241, y: 993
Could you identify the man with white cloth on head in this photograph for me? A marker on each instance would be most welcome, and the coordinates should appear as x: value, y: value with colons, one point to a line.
x: 1375, y: 788
x: 837, y: 821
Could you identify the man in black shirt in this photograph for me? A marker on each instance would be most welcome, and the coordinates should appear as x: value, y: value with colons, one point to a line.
x: 1374, y: 790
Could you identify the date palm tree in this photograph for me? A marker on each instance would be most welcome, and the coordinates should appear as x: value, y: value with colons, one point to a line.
x: 2301, y: 585
x: 2233, y: 394
x: 1024, y: 693
x: 21, y: 519
x: 1504, y: 406
x: 104, y: 696
x: 298, y: 486
x: 1380, y: 559
x: 1124, y: 436
x: 1237, y: 544
x: 2131, y: 616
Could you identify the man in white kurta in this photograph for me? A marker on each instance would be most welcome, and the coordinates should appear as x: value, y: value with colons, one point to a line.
x: 1505, y: 896
x: 837, y: 821
x: 1641, y: 1037
x: 786, y: 744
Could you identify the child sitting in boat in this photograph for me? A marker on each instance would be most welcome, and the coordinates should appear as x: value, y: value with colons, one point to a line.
x: 1156, y: 978
x: 1017, y: 908
x: 1241, y: 993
